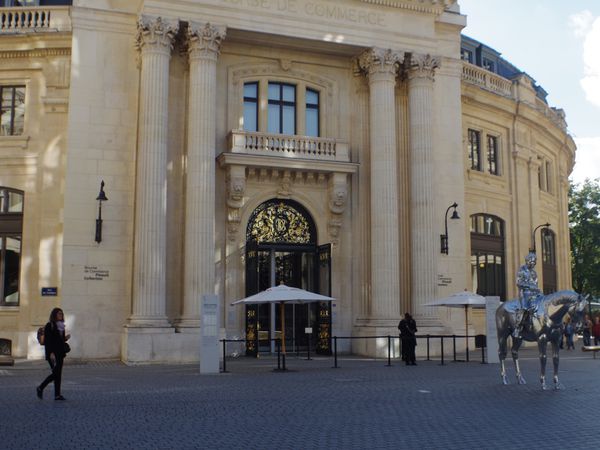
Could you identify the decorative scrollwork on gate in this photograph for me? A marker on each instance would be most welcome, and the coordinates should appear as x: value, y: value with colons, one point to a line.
x: 277, y: 221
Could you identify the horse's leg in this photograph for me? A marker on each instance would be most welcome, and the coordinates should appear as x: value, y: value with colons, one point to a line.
x: 502, y: 356
x: 515, y: 355
x: 542, y: 346
x: 555, y: 349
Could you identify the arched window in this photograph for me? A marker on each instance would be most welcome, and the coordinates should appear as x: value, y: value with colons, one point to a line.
x: 487, y: 255
x: 549, y: 260
x: 11, y: 229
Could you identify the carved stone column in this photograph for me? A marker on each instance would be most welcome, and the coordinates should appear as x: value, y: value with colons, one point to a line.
x: 381, y: 67
x: 155, y: 41
x: 204, y: 44
x: 420, y: 71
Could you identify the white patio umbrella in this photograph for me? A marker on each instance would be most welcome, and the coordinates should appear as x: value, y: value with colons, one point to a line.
x: 283, y: 294
x: 464, y: 299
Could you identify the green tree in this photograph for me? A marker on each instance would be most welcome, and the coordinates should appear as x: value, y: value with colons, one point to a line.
x: 584, y: 220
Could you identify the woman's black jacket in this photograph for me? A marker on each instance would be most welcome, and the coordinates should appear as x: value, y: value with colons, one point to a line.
x: 54, y: 341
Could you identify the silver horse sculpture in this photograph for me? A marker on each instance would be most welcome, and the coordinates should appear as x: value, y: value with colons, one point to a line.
x: 544, y: 325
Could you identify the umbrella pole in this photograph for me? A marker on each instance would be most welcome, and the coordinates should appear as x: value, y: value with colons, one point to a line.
x: 282, y: 306
x: 467, y: 329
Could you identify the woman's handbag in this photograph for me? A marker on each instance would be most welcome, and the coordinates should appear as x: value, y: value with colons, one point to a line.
x: 67, y: 347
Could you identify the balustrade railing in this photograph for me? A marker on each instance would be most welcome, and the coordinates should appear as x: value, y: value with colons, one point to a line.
x: 23, y: 20
x: 486, y: 79
x: 287, y: 146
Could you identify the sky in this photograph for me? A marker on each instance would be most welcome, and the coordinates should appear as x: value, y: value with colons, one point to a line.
x: 557, y: 42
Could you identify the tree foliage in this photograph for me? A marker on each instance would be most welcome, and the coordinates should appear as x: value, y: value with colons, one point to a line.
x: 584, y: 221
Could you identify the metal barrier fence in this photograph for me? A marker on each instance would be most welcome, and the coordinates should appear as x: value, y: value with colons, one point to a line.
x: 281, y: 364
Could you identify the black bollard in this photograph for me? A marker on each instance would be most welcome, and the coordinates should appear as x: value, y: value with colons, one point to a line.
x: 224, y: 356
x: 454, y: 346
x: 335, y: 364
x: 278, y: 354
x: 389, y: 363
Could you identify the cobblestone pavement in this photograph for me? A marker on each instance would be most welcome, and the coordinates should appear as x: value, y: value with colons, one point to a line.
x: 363, y: 404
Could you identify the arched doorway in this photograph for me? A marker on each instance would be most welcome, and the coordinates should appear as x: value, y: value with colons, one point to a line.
x: 487, y: 255
x: 549, y: 261
x: 281, y: 247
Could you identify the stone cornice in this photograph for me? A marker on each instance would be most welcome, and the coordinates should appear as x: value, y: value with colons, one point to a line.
x: 204, y: 40
x: 35, y: 53
x: 295, y: 164
x: 427, y: 6
x: 156, y: 33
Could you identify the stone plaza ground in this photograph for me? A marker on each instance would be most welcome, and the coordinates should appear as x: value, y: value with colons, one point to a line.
x: 363, y: 404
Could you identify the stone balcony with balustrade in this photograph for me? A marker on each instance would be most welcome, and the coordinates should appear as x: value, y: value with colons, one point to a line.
x: 496, y: 84
x: 288, y: 146
x: 35, y: 20
x: 287, y: 152
x: 488, y: 80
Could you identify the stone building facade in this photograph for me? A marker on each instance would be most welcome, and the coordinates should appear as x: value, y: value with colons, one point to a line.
x: 244, y: 143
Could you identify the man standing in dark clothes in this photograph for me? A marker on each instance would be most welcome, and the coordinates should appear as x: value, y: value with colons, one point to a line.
x: 408, y: 330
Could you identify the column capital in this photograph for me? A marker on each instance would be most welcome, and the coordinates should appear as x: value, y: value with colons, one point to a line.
x: 421, y: 66
x: 380, y: 61
x: 155, y: 33
x: 204, y: 40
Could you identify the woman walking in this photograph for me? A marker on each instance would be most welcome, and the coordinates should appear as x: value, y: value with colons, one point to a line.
x: 55, y: 343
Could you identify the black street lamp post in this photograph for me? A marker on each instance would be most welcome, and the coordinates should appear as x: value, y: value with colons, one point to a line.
x: 545, y: 225
x: 444, y: 237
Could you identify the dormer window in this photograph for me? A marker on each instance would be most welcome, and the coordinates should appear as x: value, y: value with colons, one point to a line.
x: 488, y: 64
x: 466, y: 55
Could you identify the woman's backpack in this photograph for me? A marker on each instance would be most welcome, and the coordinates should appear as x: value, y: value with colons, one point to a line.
x: 40, y: 335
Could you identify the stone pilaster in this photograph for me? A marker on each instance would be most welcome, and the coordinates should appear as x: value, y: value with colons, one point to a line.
x: 424, y: 242
x: 154, y: 41
x: 204, y: 43
x: 381, y: 67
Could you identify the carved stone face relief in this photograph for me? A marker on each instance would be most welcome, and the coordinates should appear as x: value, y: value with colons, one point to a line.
x: 337, y: 199
x: 237, y: 187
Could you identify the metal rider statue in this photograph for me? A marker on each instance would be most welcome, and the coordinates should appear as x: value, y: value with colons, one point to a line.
x: 527, y: 282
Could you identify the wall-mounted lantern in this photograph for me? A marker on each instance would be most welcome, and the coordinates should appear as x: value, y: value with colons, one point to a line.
x: 444, y: 237
x: 101, y: 198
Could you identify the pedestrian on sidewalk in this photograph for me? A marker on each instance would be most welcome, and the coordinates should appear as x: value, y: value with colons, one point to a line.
x: 569, y: 331
x: 587, y: 331
x: 596, y: 330
x: 408, y: 330
x: 56, y: 348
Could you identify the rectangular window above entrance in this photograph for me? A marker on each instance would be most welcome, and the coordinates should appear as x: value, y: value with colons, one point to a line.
x: 312, y: 113
x: 251, y: 106
x: 282, y: 108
